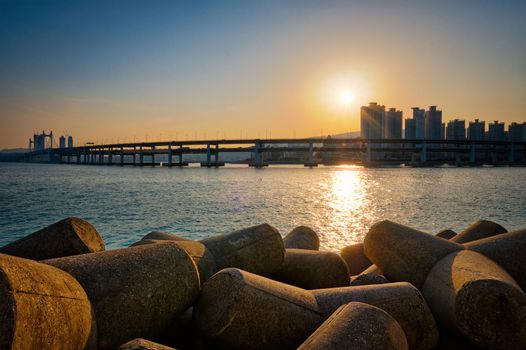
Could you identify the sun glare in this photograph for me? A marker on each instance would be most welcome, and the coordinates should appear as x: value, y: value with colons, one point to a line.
x: 346, y: 97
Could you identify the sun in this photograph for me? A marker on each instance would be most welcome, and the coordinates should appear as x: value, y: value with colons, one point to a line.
x: 346, y: 97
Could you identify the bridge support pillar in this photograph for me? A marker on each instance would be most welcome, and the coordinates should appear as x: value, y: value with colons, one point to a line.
x: 141, y: 156
x: 208, y: 155
x: 78, y: 156
x: 153, y: 155
x: 512, y: 153
x: 181, y: 155
x: 110, y: 156
x: 122, y: 156
x: 216, y: 155
x: 170, y: 154
x: 310, y: 158
x: 423, y: 158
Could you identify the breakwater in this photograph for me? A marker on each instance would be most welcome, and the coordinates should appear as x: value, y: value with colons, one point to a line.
x: 255, y: 289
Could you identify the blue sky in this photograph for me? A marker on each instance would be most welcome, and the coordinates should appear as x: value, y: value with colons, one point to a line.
x: 109, y: 69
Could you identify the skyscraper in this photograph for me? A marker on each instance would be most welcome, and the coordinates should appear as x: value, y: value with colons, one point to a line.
x: 456, y: 130
x: 372, y: 121
x: 496, y: 131
x: 433, y: 124
x: 393, y: 124
x: 419, y: 118
x: 410, y: 131
x: 476, y: 130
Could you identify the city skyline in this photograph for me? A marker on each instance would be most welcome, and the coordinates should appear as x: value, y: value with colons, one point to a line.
x: 103, y: 72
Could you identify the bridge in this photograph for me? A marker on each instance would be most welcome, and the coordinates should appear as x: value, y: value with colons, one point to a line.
x: 309, y: 151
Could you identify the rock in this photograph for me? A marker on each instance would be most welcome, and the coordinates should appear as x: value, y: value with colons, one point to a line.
x: 446, y: 234
x: 257, y: 249
x: 135, y: 292
x: 479, y: 230
x: 354, y: 257
x: 470, y: 293
x: 367, y: 279
x: 67, y: 237
x: 405, y: 254
x: 312, y: 269
x: 143, y: 344
x: 358, y: 326
x: 508, y: 250
x: 241, y: 310
x: 302, y: 237
x: 42, y: 307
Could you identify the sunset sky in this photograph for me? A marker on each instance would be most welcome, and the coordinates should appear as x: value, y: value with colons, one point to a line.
x: 113, y: 71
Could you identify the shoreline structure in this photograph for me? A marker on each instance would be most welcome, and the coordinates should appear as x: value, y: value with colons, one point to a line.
x: 254, y: 289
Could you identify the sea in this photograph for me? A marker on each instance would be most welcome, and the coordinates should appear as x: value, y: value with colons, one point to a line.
x: 339, y: 202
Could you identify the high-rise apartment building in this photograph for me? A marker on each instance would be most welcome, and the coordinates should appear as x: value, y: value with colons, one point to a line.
x: 372, y: 121
x: 517, y: 132
x: 456, y: 130
x: 496, y: 131
x: 410, y: 130
x: 476, y: 130
x: 393, y: 124
x: 433, y: 124
x: 419, y: 118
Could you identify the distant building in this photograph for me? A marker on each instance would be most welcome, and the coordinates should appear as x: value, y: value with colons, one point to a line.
x: 62, y: 142
x: 372, y: 121
x: 517, y: 132
x: 419, y: 118
x: 393, y: 124
x: 410, y: 130
x: 456, y: 130
x: 476, y: 130
x: 433, y: 124
x: 70, y: 141
x: 496, y: 131
x: 443, y: 131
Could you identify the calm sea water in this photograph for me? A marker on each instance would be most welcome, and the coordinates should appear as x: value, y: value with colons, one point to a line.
x: 340, y: 203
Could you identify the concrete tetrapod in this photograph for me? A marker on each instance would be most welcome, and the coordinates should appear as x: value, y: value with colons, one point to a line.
x: 479, y: 230
x: 42, y: 307
x: 312, y: 269
x: 258, y: 249
x: 242, y: 310
x: 405, y: 254
x: 470, y: 293
x: 357, y: 326
x: 67, y: 237
x: 446, y: 234
x: 367, y: 279
x: 302, y: 237
x: 135, y: 292
x: 143, y: 344
x: 164, y: 236
x: 400, y: 300
x: 508, y: 250
x: 355, y: 258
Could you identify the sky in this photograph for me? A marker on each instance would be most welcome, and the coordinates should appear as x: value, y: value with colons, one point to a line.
x: 118, y: 71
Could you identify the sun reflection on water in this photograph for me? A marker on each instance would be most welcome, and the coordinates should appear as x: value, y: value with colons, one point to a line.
x: 348, y: 203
